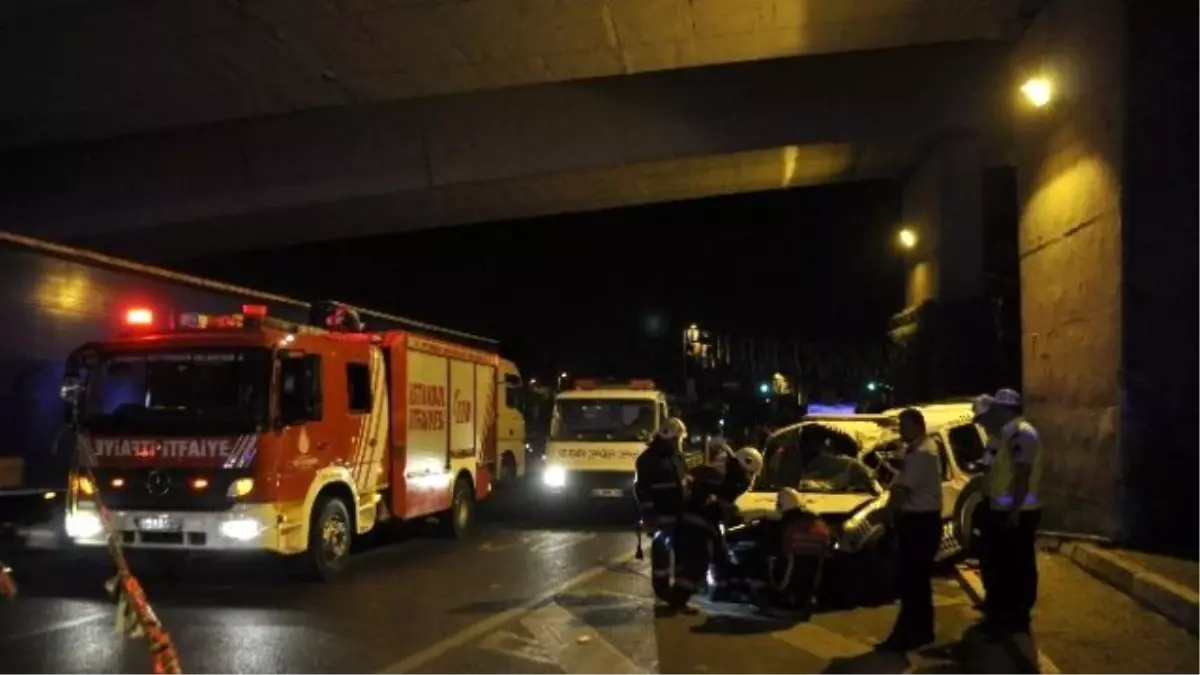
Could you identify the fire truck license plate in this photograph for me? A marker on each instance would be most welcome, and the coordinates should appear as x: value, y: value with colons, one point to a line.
x: 158, y: 524
x: 605, y: 492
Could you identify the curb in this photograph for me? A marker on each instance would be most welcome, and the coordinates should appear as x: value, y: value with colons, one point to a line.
x: 1178, y: 603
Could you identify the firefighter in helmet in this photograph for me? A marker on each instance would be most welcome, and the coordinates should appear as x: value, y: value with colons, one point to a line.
x: 710, y: 506
x: 661, y: 487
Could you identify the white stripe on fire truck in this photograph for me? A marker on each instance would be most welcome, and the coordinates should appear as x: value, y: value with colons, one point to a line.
x: 236, y: 459
x: 232, y: 460
x: 251, y: 451
x: 249, y: 446
x: 360, y: 442
x: 375, y: 422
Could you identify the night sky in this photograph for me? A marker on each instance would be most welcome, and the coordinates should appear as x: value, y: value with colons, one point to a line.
x: 607, y: 293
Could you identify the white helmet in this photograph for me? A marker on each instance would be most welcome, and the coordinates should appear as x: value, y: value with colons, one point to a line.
x: 672, y: 429
x: 750, y: 459
x: 787, y: 499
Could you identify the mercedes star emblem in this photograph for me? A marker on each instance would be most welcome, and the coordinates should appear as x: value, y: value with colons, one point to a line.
x: 158, y: 483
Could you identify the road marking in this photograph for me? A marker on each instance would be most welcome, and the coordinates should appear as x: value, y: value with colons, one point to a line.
x: 475, y: 631
x: 821, y: 642
x: 55, y: 627
x: 549, y: 542
x: 510, y: 644
x: 574, y: 645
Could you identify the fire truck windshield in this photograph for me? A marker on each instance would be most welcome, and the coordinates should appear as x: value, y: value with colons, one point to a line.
x: 178, y: 392
x: 602, y: 419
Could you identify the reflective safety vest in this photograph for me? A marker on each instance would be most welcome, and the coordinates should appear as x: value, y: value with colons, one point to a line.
x: 1000, y: 475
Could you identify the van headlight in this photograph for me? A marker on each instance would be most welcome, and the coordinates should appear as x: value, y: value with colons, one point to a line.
x: 554, y: 477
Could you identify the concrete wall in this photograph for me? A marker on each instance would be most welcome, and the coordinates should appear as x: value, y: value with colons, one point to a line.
x: 1069, y: 157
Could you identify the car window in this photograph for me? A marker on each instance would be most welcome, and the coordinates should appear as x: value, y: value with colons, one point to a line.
x: 782, y: 459
x: 943, y: 460
x: 967, y: 444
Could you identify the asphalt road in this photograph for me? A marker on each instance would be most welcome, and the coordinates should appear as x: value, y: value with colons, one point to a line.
x: 543, y: 592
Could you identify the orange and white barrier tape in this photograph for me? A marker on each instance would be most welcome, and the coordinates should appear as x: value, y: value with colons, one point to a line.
x: 135, y: 616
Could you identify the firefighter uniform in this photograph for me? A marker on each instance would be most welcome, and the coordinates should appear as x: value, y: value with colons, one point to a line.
x: 660, y: 487
x: 1010, y: 529
x: 710, y: 504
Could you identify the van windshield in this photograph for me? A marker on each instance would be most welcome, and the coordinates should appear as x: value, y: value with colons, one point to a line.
x: 603, y: 419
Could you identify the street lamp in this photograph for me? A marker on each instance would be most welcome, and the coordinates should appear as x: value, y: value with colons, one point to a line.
x: 561, y: 376
x: 1038, y: 91
x: 907, y: 238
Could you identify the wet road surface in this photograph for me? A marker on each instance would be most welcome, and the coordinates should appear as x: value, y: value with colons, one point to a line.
x: 524, y: 595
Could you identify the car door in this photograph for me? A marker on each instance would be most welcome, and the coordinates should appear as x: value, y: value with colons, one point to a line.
x: 951, y: 487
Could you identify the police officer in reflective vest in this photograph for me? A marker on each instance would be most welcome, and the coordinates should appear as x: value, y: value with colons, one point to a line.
x: 661, y: 486
x: 1013, y: 515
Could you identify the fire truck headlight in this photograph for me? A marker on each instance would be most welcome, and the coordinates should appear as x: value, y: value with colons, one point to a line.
x: 83, y: 525
x: 241, y: 487
x: 241, y: 529
x: 554, y: 477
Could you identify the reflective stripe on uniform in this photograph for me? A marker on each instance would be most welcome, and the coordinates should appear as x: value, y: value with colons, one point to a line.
x: 660, y: 573
x: 1000, y: 473
x: 1005, y: 501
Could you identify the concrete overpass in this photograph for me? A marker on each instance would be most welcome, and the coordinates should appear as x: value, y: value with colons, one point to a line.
x: 196, y: 126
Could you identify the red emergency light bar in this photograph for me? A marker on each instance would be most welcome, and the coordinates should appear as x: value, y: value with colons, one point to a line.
x: 254, y: 311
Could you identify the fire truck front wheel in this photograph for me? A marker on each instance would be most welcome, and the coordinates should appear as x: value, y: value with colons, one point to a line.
x: 328, y: 538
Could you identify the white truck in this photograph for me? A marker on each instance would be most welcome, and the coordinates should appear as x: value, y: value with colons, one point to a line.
x: 596, y: 434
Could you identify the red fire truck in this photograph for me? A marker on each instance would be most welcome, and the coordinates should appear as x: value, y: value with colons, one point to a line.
x: 244, y: 432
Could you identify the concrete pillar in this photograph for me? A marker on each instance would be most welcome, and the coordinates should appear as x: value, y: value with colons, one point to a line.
x: 943, y: 204
x: 1109, y: 266
x: 947, y: 321
x: 1086, y: 252
x: 1068, y: 180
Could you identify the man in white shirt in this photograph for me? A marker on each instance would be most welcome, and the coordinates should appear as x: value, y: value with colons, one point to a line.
x: 915, y: 507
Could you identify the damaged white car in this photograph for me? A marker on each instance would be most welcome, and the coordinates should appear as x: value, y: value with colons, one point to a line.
x: 842, y: 466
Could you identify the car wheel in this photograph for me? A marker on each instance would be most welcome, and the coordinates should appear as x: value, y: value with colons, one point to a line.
x: 966, y: 523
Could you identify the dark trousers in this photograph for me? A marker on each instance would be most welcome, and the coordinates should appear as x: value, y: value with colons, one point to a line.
x: 917, y: 537
x: 694, y: 550
x: 662, y: 560
x: 1009, y: 568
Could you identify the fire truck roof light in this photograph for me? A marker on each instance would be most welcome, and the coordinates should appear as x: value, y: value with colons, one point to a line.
x: 139, y: 316
x: 254, y: 311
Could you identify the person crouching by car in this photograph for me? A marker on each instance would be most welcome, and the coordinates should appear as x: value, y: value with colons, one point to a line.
x: 709, y: 506
x: 712, y: 506
x: 660, y: 487
x: 915, y: 508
